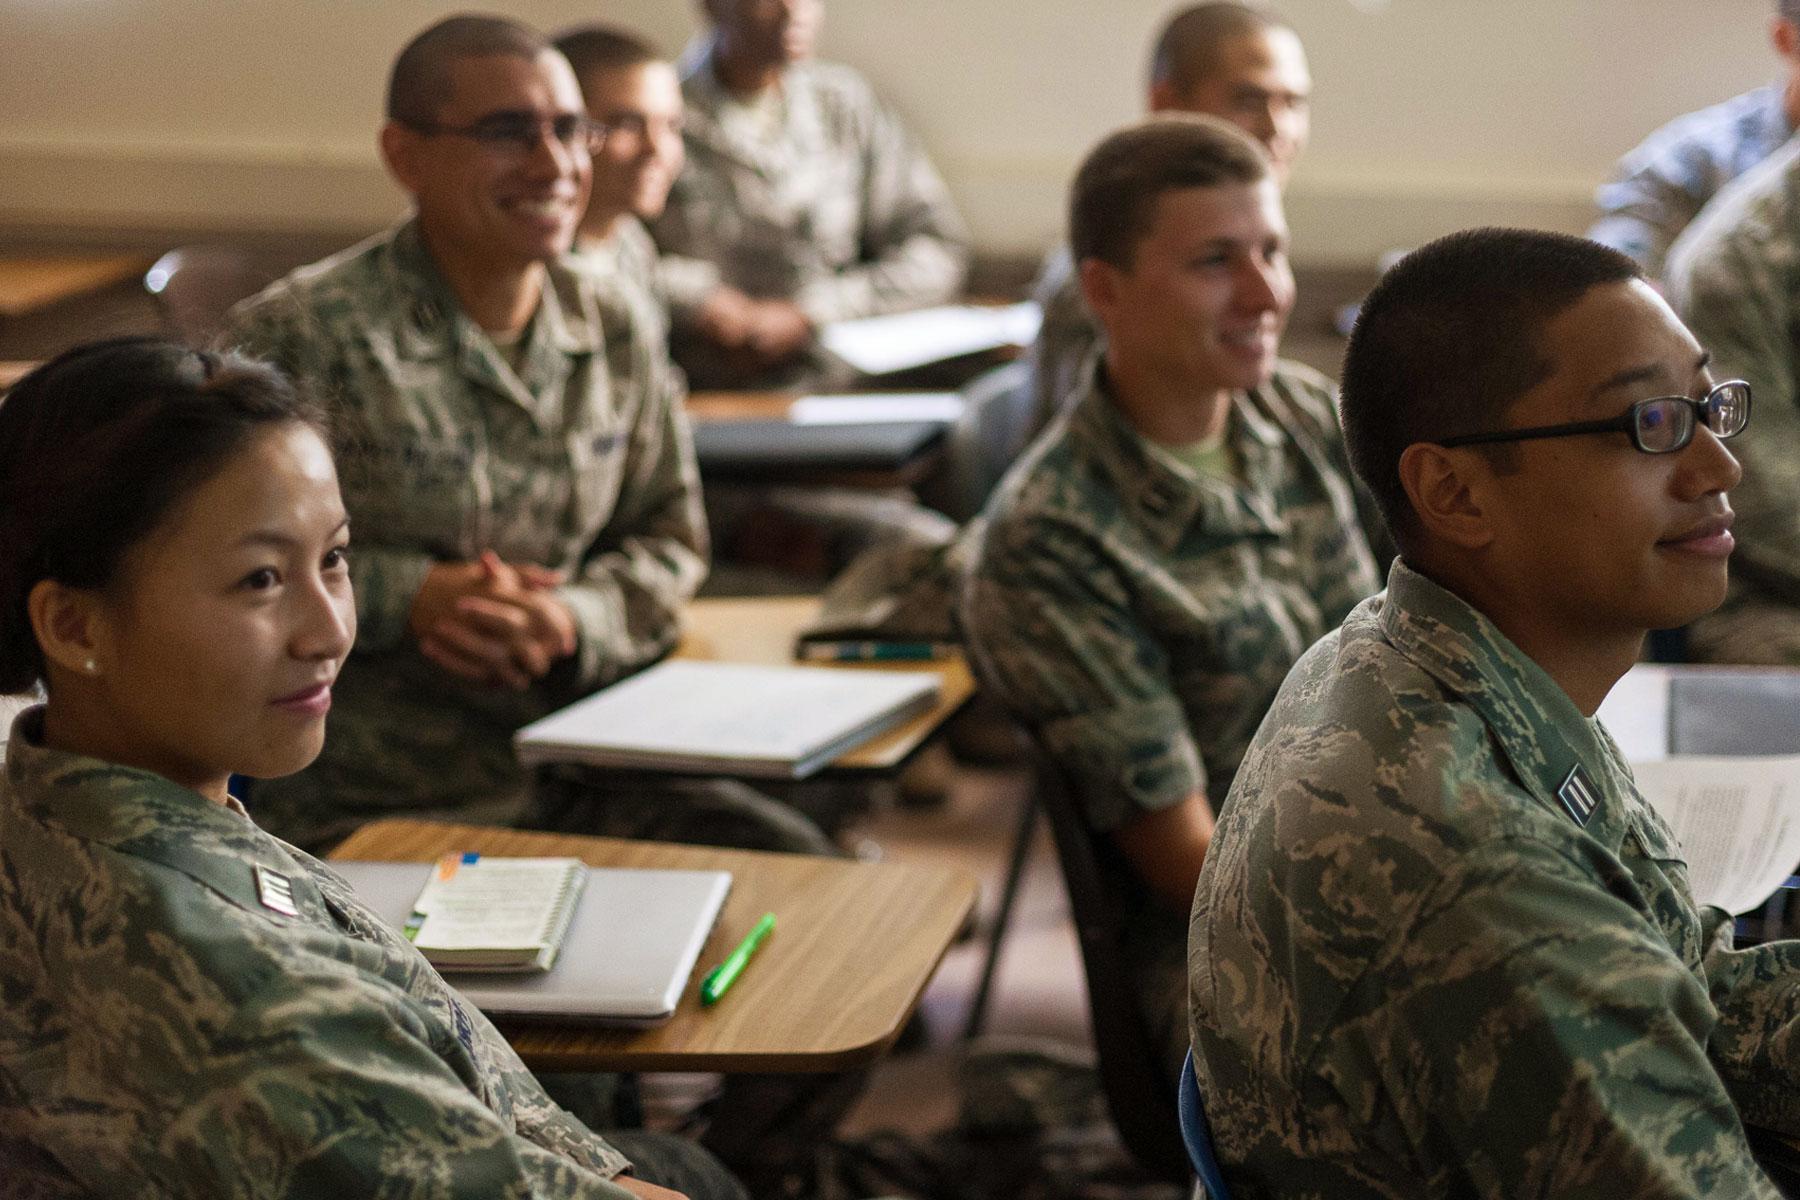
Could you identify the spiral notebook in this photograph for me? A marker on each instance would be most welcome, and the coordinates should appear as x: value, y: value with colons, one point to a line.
x: 495, y: 914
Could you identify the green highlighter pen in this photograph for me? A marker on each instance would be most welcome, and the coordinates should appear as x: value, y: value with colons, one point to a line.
x: 723, y: 975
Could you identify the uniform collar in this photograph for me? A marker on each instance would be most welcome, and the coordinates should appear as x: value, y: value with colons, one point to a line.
x: 141, y: 814
x: 433, y: 324
x: 1543, y: 736
x: 1165, y: 501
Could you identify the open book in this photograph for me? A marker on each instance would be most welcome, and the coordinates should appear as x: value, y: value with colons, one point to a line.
x: 728, y: 718
x: 1716, y: 751
x: 495, y: 914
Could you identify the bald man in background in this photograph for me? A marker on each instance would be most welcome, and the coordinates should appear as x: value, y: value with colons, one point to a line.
x: 1237, y: 62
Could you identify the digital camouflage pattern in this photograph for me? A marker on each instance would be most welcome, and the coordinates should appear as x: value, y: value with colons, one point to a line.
x: 1415, y: 974
x: 165, y: 1033
x: 628, y: 259
x: 812, y: 192
x: 1139, y: 616
x: 1069, y: 336
x: 1664, y: 183
x: 1735, y: 279
x: 580, y: 461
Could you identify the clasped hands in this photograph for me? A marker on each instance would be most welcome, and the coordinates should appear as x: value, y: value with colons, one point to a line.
x: 492, y: 622
x: 765, y: 332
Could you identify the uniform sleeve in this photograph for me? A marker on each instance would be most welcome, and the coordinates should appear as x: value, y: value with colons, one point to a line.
x: 313, y: 1090
x: 915, y: 246
x: 1757, y: 1044
x: 1053, y: 633
x: 1736, y: 294
x: 1536, y: 1033
x: 651, y: 556
x: 278, y: 328
x: 1642, y: 211
x: 1068, y: 337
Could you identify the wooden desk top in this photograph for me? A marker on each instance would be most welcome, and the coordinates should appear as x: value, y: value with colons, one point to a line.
x: 853, y: 948
x: 762, y: 629
x: 706, y: 407
x: 31, y: 283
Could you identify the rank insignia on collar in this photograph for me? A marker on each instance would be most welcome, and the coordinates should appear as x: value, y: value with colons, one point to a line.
x: 1578, y: 795
x: 276, y: 891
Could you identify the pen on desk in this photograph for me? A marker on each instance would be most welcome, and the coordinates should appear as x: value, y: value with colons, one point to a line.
x: 869, y: 651
x: 722, y: 976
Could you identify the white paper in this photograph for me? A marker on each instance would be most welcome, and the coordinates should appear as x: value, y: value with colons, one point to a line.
x: 1734, y: 819
x: 879, y: 345
x: 1636, y: 713
x: 870, y: 408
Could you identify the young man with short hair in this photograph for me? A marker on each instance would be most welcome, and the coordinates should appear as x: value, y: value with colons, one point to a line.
x: 1234, y: 61
x: 634, y: 96
x: 1165, y: 551
x: 1441, y: 946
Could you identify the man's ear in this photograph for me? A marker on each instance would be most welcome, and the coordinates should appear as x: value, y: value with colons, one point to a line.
x: 1449, y: 493
x: 1164, y: 97
x: 1099, y: 286
x: 1785, y: 36
x: 69, y: 626
x: 400, y: 146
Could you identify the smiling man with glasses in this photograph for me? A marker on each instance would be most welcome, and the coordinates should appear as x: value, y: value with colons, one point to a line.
x: 514, y: 454
x: 1441, y: 946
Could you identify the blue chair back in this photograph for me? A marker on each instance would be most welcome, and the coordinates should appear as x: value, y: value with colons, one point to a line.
x: 1196, y: 1135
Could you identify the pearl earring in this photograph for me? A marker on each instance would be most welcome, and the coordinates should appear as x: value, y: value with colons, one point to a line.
x: 91, y: 667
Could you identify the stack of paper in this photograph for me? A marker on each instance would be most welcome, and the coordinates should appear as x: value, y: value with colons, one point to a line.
x: 1712, y: 751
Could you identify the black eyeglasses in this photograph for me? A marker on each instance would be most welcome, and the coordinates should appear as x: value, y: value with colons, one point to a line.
x: 518, y: 133
x: 1659, y: 426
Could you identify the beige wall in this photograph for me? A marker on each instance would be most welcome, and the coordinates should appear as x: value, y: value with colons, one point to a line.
x: 1430, y: 114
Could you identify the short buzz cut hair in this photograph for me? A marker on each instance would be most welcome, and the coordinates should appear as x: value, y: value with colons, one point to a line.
x: 1188, y: 49
x: 419, y: 86
x: 1448, y: 340
x: 1112, y: 203
x: 603, y: 48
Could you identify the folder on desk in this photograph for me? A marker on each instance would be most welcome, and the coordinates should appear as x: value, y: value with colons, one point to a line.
x: 728, y: 718
x: 627, y: 955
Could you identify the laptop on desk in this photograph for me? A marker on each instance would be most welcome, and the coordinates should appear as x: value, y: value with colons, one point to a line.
x: 625, y: 959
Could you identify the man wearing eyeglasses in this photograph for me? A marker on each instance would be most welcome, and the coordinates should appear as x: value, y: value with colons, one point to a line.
x: 1440, y: 945
x: 514, y: 455
x: 1735, y: 277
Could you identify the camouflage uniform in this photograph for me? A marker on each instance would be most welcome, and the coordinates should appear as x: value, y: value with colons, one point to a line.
x: 1140, y: 618
x: 1067, y: 339
x: 628, y: 259
x: 1664, y: 183
x: 1735, y: 278
x: 1442, y: 947
x: 830, y: 204
x: 580, y: 461
x: 166, y: 1032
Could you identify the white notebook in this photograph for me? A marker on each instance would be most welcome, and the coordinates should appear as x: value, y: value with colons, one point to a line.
x: 728, y: 718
